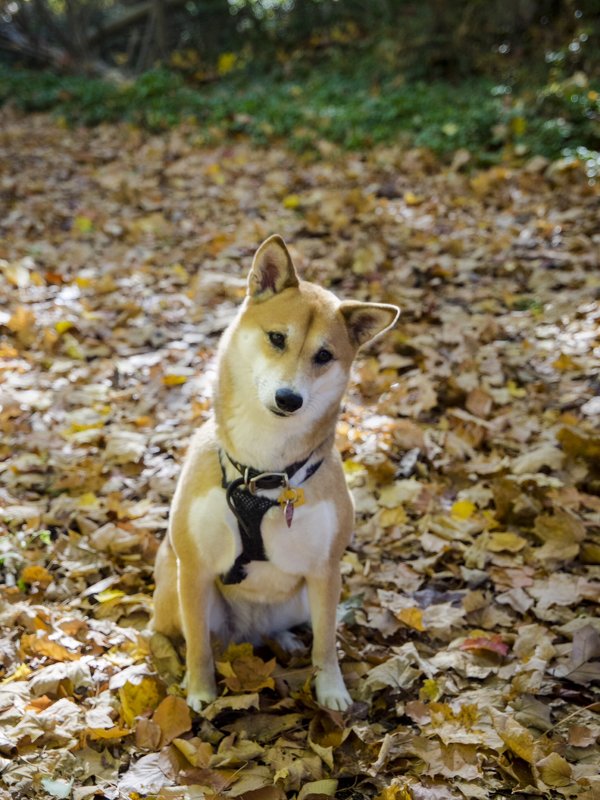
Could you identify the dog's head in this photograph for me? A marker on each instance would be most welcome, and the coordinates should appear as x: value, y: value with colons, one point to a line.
x: 295, y: 341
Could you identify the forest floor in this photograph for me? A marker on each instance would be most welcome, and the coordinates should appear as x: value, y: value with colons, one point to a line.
x: 469, y: 633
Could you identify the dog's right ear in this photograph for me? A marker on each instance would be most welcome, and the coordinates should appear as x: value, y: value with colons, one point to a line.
x: 272, y: 270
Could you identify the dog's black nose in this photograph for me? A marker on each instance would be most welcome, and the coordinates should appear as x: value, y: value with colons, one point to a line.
x: 288, y: 400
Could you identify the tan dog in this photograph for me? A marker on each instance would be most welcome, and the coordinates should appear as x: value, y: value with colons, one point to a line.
x: 261, y: 514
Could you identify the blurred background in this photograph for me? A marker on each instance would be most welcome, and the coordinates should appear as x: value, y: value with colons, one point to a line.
x: 517, y: 76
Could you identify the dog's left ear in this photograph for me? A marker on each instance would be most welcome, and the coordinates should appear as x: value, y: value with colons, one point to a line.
x: 272, y: 270
x: 367, y: 320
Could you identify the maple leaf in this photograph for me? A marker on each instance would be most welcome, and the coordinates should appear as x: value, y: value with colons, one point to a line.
x: 247, y: 673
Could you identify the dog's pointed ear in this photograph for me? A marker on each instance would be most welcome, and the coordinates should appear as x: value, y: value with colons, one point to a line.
x: 272, y: 270
x: 364, y: 321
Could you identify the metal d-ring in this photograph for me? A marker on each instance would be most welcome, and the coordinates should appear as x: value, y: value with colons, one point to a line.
x: 251, y: 483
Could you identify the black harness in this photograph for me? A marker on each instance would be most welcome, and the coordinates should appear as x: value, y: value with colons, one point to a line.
x: 249, y: 508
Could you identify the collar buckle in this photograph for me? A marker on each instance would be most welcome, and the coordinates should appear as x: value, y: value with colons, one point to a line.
x: 266, y: 480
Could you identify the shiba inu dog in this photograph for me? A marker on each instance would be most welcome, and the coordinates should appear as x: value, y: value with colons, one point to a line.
x: 261, y: 514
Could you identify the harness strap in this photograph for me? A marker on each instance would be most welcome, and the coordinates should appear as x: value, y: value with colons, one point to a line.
x: 250, y: 508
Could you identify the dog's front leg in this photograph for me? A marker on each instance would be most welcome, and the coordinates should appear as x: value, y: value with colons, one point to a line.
x: 323, y: 595
x: 196, y: 596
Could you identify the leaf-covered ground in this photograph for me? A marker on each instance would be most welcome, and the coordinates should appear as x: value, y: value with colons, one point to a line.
x: 469, y: 632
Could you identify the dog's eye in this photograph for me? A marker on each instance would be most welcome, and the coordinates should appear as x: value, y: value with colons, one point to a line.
x: 277, y: 339
x: 323, y: 356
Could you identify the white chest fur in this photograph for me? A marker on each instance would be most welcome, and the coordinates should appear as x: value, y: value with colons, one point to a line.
x: 304, y: 547
x: 299, y: 550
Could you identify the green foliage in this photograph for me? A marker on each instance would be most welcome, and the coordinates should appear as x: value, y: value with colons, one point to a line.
x: 354, y: 102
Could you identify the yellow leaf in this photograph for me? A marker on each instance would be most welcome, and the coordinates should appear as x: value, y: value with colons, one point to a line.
x: 108, y: 595
x: 463, y: 509
x: 515, y: 391
x: 21, y: 320
x: 352, y: 467
x: 394, y: 793
x: 63, y: 325
x: 490, y: 519
x: 87, y: 500
x: 234, y: 651
x: 22, y: 671
x: 143, y: 422
x: 197, y: 752
x: 430, y: 690
x: 412, y: 617
x: 412, y: 199
x: 180, y: 272
x: 515, y: 736
x: 564, y: 363
x: 392, y: 516
x: 483, y: 182
x: 510, y: 542
x: 83, y: 224
x: 246, y: 672
x: 291, y: 201
x: 108, y: 733
x: 138, y: 698
x: 72, y: 347
x: 226, y: 63
x: 325, y: 787
x: 580, y: 443
x: 82, y: 282
x: 518, y: 125
x: 554, y: 770
x: 174, y: 380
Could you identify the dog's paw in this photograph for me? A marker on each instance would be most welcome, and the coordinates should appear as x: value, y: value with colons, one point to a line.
x: 199, y: 700
x: 290, y: 643
x: 331, y: 691
x: 198, y: 697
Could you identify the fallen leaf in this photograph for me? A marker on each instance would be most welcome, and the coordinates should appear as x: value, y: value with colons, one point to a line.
x: 412, y: 617
x: 247, y: 673
x: 463, y: 509
x: 172, y: 715
x: 137, y: 698
x: 516, y: 738
x: 493, y: 644
x: 554, y: 770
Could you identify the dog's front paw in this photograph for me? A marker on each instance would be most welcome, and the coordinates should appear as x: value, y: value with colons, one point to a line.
x: 200, y: 700
x: 199, y: 696
x: 331, y: 691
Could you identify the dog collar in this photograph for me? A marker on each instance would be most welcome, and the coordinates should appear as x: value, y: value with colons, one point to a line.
x: 255, y: 480
x: 249, y: 508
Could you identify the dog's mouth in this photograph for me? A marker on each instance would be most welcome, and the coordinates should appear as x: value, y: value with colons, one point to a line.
x: 279, y: 413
